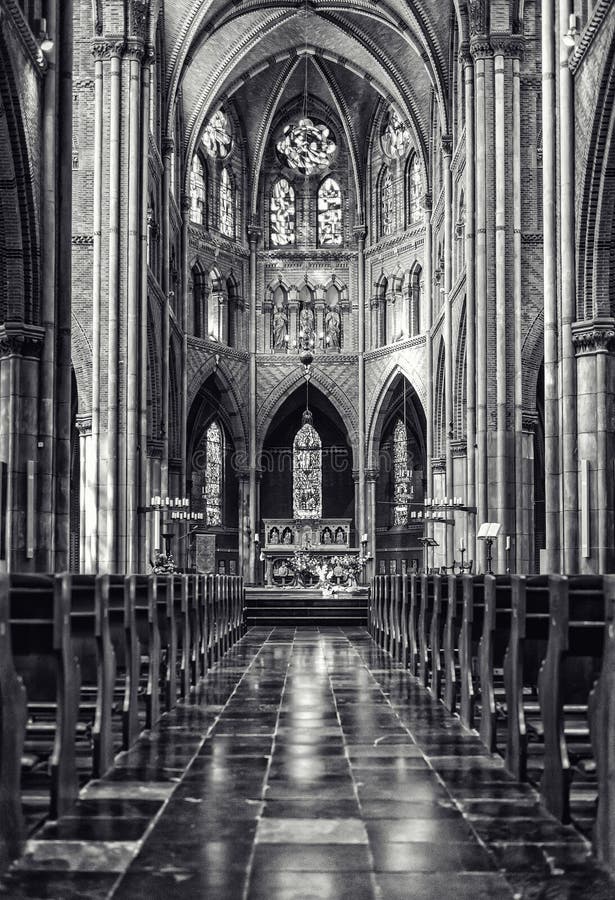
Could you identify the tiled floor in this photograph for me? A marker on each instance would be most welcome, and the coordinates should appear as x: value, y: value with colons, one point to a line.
x: 310, y: 768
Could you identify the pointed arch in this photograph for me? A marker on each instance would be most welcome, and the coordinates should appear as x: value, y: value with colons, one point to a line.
x: 234, y: 405
x: 380, y: 412
x: 460, y: 395
x: 439, y: 432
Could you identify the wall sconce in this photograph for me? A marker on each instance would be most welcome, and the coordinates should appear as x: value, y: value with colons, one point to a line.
x: 43, y: 36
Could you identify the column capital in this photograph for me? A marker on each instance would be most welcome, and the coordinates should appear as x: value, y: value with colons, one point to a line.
x: 168, y: 146
x: 134, y: 49
x: 480, y: 47
x: 511, y: 45
x: 149, y: 55
x: 593, y: 336
x: 360, y: 233
x: 255, y: 232
x: 105, y: 48
x: 447, y: 144
x: 83, y: 424
x: 185, y: 203
x: 465, y: 56
x: 372, y: 475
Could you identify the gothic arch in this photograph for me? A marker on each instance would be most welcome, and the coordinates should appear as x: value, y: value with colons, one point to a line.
x: 380, y: 410
x: 327, y: 386
x: 238, y: 426
x: 532, y: 355
x: 81, y: 355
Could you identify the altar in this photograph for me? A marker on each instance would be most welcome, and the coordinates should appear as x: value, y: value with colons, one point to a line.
x: 317, y: 542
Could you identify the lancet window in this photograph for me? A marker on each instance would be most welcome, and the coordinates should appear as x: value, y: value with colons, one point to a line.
x: 387, y: 204
x: 197, y: 191
x: 395, y: 136
x: 282, y: 215
x: 307, y: 471
x: 402, y: 474
x: 227, y: 215
x: 217, y: 138
x: 212, y: 487
x: 329, y: 214
x: 415, y: 190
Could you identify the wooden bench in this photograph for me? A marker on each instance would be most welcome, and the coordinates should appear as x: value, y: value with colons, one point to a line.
x: 44, y: 658
x: 452, y: 630
x: 182, y: 630
x: 469, y: 637
x: 602, y: 731
x: 426, y: 605
x: 567, y: 676
x: 492, y: 648
x: 527, y: 647
x: 13, y: 716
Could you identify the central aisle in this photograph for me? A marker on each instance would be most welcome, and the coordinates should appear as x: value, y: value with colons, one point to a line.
x: 311, y: 768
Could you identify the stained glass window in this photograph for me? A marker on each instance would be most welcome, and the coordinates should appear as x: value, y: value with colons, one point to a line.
x: 307, y: 471
x: 387, y: 203
x: 227, y: 216
x: 282, y: 216
x: 212, y: 488
x: 197, y: 191
x: 329, y: 214
x: 415, y: 190
x: 306, y: 146
x: 217, y: 138
x: 395, y: 136
x: 402, y: 475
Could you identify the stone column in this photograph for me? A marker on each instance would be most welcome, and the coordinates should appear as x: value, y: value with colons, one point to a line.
x: 481, y: 52
x: 185, y: 281
x: 428, y: 319
x: 568, y: 387
x: 93, y: 555
x: 550, y: 280
x: 468, y: 69
x: 244, y: 523
x: 371, y: 477
x: 133, y: 56
x: 524, y: 536
x: 254, y: 234
x: 360, y: 234
x: 112, y: 356
x: 449, y: 534
x: 84, y: 428
x: 167, y: 153
x: 145, y: 548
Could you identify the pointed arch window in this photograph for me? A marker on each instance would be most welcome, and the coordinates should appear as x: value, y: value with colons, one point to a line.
x: 402, y: 474
x: 387, y: 204
x: 329, y: 214
x: 212, y: 486
x: 282, y: 214
x: 227, y: 214
x: 197, y: 191
x: 415, y: 190
x: 307, y: 471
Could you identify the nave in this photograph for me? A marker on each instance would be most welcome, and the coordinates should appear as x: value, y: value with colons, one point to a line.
x: 310, y: 766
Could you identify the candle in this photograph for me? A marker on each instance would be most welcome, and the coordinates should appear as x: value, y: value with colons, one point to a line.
x: 462, y: 545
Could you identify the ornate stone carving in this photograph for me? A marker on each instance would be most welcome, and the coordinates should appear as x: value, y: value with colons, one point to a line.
x: 83, y: 240
x: 478, y: 17
x: 138, y: 18
x: 155, y: 449
x: 110, y: 46
x: 83, y: 424
x: 18, y: 339
x: 97, y: 16
x: 594, y: 336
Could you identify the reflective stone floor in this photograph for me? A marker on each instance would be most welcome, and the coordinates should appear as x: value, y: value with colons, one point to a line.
x: 311, y: 766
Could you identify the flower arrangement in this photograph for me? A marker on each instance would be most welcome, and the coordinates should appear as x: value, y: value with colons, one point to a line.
x: 163, y: 564
x: 331, y: 573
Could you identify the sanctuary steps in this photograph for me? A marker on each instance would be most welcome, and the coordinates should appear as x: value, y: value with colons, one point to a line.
x: 305, y: 606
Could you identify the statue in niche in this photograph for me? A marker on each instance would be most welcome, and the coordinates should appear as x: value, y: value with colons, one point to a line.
x: 332, y: 327
x: 274, y: 536
x: 327, y: 536
x: 287, y: 536
x: 340, y: 535
x: 280, y: 328
x: 306, y: 324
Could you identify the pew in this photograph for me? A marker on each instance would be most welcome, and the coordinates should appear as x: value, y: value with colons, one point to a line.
x: 43, y: 656
x: 167, y: 626
x: 403, y: 620
x: 91, y: 643
x: 602, y: 732
x: 452, y: 629
x: 469, y: 637
x: 425, y: 614
x: 196, y: 624
x: 144, y: 590
x: 436, y: 634
x: 13, y: 716
x: 492, y: 648
x: 413, y: 611
x: 182, y: 630
x: 526, y: 649
x: 568, y: 674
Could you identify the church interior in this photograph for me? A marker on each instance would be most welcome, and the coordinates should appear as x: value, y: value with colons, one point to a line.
x: 307, y: 428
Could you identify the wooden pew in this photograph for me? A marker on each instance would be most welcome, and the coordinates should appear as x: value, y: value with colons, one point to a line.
x: 424, y: 623
x: 492, y: 648
x: 211, y: 619
x: 526, y: 650
x: 413, y: 613
x: 121, y: 598
x: 469, y: 637
x: 567, y: 676
x: 144, y: 590
x: 167, y: 625
x: 403, y: 620
x: 91, y: 640
x: 602, y: 730
x: 196, y: 624
x: 182, y: 630
x: 436, y: 634
x: 44, y: 658
x: 452, y: 629
x: 13, y: 716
